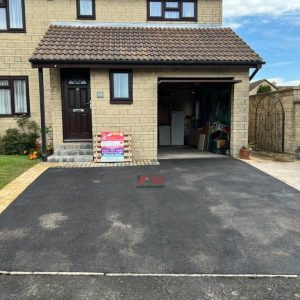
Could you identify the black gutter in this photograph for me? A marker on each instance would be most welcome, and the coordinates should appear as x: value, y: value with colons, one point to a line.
x: 146, y: 63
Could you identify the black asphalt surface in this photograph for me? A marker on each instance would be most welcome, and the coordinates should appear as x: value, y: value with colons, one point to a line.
x: 212, y: 216
x: 95, y: 288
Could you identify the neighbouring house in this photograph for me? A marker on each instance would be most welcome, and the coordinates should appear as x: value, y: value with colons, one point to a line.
x: 274, y: 121
x: 164, y: 71
x: 255, y: 85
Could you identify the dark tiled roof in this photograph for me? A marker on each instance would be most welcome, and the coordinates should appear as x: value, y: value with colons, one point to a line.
x: 255, y: 84
x: 93, y: 44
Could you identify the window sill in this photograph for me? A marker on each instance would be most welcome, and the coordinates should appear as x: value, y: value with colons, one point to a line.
x: 121, y: 101
x: 13, y: 31
x: 172, y: 20
x: 15, y: 115
x: 86, y: 18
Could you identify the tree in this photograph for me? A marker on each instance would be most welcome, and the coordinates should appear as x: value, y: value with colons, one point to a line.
x: 264, y: 89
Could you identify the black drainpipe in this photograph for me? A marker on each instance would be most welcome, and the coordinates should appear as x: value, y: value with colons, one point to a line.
x: 258, y: 67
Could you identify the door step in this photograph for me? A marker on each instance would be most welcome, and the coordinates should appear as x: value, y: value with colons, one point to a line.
x: 73, y: 146
x: 73, y: 152
x: 68, y: 158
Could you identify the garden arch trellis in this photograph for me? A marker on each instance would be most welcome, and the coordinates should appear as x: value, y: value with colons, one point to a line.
x: 269, y: 124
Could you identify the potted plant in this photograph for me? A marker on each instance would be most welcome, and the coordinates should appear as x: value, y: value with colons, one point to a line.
x: 245, y: 152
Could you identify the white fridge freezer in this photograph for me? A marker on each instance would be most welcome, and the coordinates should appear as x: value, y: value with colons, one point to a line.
x: 177, y: 128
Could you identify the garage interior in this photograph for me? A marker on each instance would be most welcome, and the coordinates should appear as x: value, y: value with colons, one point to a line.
x: 194, y: 118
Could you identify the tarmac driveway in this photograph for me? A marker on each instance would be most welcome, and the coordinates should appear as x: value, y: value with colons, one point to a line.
x: 212, y: 216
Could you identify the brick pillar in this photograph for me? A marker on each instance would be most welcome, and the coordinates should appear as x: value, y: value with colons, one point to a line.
x: 56, y: 107
x: 239, y: 116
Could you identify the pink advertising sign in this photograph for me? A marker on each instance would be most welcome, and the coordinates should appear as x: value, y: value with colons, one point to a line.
x: 112, y: 146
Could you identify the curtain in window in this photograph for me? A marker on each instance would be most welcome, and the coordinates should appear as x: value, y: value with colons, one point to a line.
x: 172, y: 15
x: 3, y: 19
x: 4, y: 82
x: 20, y: 96
x: 121, y: 84
x: 86, y: 7
x: 15, y: 14
x: 155, y: 9
x: 188, y: 10
x: 5, y: 107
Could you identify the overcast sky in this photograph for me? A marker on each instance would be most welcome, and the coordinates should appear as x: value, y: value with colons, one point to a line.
x: 272, y: 28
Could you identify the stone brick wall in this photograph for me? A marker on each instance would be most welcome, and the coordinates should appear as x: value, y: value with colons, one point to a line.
x: 240, y: 114
x: 55, y: 107
x: 16, y: 48
x: 209, y: 11
x: 140, y: 118
x: 290, y: 99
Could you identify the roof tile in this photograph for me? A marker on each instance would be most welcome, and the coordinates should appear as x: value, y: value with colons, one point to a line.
x: 93, y: 44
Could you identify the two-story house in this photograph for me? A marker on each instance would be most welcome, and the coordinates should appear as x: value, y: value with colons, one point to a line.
x: 155, y: 68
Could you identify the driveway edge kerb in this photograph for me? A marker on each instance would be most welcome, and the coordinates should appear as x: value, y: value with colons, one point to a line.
x: 253, y: 276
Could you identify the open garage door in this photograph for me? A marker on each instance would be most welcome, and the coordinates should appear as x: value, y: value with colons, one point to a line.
x: 194, y: 116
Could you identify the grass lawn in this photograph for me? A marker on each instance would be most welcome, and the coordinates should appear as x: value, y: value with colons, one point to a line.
x: 12, y: 166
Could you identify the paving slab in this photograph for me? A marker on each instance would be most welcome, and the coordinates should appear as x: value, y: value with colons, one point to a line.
x: 288, y: 172
x: 211, y: 216
x: 184, y: 152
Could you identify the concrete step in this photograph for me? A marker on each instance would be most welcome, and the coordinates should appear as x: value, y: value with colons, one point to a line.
x: 76, y: 146
x: 71, y: 152
x: 70, y: 158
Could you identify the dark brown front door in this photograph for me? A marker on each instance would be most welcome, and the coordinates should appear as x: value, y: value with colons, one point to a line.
x: 76, y: 107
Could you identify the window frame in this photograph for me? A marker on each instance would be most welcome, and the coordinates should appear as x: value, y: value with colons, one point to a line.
x: 113, y: 99
x: 13, y: 30
x: 83, y: 17
x: 11, y: 88
x: 179, y: 9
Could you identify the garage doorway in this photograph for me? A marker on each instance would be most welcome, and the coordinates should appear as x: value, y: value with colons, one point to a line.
x: 194, y: 117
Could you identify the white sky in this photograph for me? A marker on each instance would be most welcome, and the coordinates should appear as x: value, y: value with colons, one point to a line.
x: 236, y: 13
x: 281, y: 81
x: 238, y: 8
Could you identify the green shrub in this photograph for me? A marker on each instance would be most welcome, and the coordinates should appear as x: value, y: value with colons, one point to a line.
x: 17, y: 141
x: 11, y: 141
x: 26, y: 125
x: 264, y: 89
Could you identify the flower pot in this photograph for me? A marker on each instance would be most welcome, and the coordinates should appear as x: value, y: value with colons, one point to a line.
x: 245, y: 153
